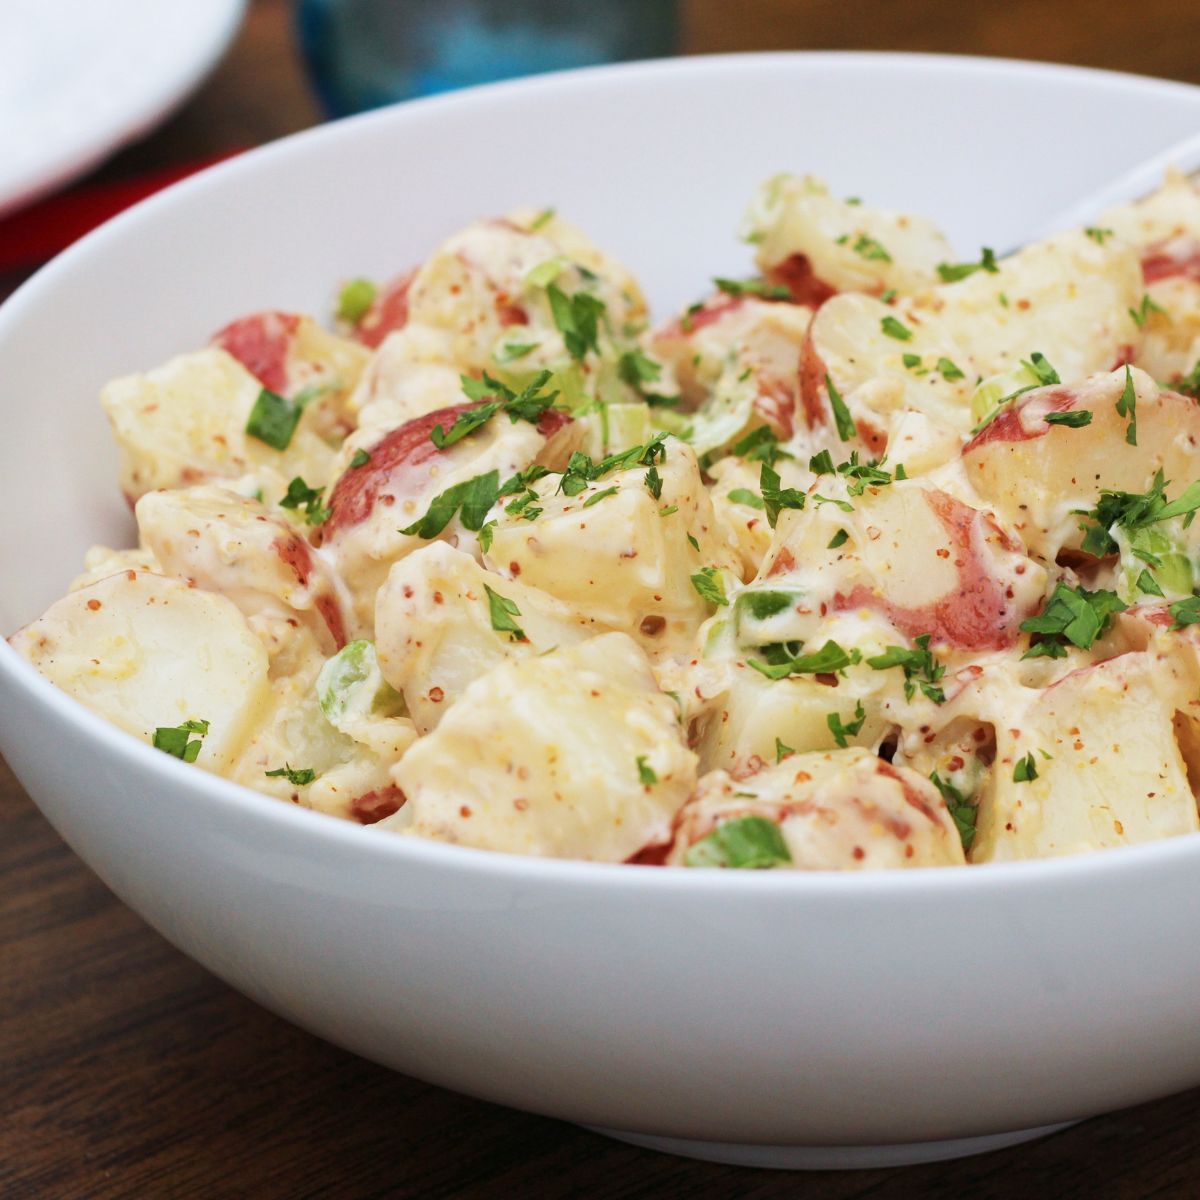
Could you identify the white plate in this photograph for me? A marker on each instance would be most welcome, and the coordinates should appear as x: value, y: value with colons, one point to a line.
x: 789, y: 1019
x: 79, y: 78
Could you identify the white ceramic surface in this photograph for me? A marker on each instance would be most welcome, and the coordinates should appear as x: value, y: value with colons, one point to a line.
x: 78, y: 78
x: 786, y: 1018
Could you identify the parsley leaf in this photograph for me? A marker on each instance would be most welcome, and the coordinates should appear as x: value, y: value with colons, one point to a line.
x: 746, y: 843
x: 299, y: 494
x: 753, y: 287
x: 841, y: 414
x: 780, y: 662
x: 654, y: 483
x: 760, y: 445
x: 1148, y: 585
x: 961, y: 810
x: 1185, y: 612
x: 822, y: 463
x: 296, y: 777
x: 577, y: 319
x: 1025, y: 770
x: 709, y: 585
x: 1134, y: 511
x: 596, y: 497
x: 1072, y: 420
x: 471, y: 499
x: 894, y: 329
x: 843, y: 731
x: 174, y: 740
x: 953, y: 272
x: 1097, y: 234
x: 782, y: 750
x: 839, y: 539
x: 949, y: 370
x: 921, y: 669
x: 1071, y: 615
x: 1127, y: 407
x: 870, y: 249
x: 1141, y: 314
x: 746, y: 496
x: 774, y: 497
x: 360, y: 459
x: 502, y: 610
x: 646, y: 772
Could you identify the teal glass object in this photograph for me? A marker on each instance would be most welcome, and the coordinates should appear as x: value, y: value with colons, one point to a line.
x: 365, y: 53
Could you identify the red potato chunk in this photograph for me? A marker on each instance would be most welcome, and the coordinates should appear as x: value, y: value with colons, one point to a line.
x: 388, y: 311
x: 1035, y: 474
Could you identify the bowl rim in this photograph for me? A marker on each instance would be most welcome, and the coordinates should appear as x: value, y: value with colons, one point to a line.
x: 160, y: 770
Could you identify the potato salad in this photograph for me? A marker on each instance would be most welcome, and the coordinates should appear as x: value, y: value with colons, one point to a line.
x: 873, y: 558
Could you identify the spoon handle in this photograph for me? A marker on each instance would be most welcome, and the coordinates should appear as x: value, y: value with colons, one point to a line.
x: 1133, y: 184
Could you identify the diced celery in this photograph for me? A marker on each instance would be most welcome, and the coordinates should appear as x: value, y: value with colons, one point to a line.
x: 351, y: 688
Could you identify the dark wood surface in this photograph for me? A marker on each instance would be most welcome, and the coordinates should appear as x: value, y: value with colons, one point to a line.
x: 127, y: 1071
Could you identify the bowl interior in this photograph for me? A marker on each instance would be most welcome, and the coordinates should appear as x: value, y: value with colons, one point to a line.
x: 655, y: 160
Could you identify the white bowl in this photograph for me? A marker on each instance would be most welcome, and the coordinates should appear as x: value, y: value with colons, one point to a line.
x: 790, y: 1019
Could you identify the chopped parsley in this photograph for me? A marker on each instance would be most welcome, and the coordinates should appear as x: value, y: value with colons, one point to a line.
x: 888, y: 296
x: 746, y: 496
x: 581, y: 470
x: 355, y: 299
x: 543, y: 218
x: 745, y: 843
x: 1097, y: 234
x: 502, y: 610
x: 775, y: 497
x: 921, y: 669
x: 668, y: 510
x: 1189, y: 384
x: 1141, y: 314
x: 949, y: 370
x: 894, y: 329
x: 961, y: 810
x: 596, y: 497
x: 843, y: 731
x: 1071, y: 616
x: 841, y: 414
x: 646, y: 772
x: 528, y: 405
x: 1127, y: 407
x: 911, y: 361
x: 822, y: 463
x: 360, y: 459
x: 654, y: 483
x: 762, y: 605
x: 176, y: 741
x: 709, y: 585
x: 577, y: 318
x: 1025, y: 770
x: 782, y: 750
x: 471, y: 499
x: 511, y: 351
x: 839, y: 539
x: 1135, y: 511
x: 300, y: 777
x: 953, y: 272
x: 1072, y: 420
x: 781, y: 662
x: 300, y: 495
x: 1184, y: 612
x: 870, y: 249
x: 753, y: 287
x: 760, y: 445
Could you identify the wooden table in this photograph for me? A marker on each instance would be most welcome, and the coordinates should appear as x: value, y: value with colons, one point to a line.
x: 127, y: 1071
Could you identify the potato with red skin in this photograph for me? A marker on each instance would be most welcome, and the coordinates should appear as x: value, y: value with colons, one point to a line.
x: 233, y: 545
x: 371, y: 504
x: 290, y: 354
x: 912, y: 553
x: 1067, y: 298
x: 836, y: 810
x: 388, y: 311
x: 1034, y: 474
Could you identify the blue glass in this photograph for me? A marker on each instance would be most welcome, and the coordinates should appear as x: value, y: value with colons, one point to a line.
x: 364, y: 53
